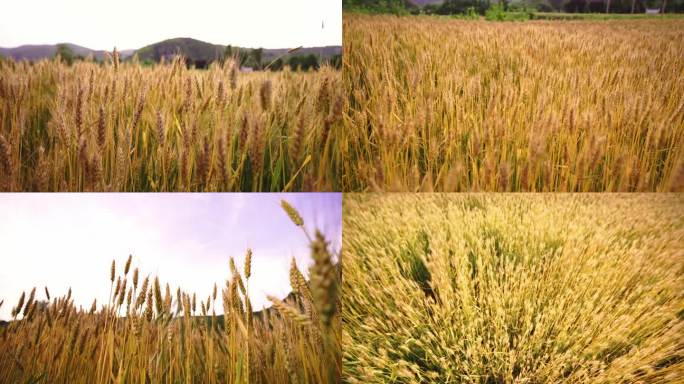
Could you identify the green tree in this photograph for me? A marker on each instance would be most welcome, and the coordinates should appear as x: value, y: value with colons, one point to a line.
x: 376, y: 6
x: 277, y: 65
x: 65, y: 53
x: 336, y: 61
x: 247, y: 61
x: 450, y: 7
x: 310, y: 62
x: 294, y: 62
x: 304, y: 63
x: 242, y: 57
x: 257, y: 56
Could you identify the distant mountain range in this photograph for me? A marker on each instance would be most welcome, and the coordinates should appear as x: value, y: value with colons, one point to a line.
x: 202, y: 51
x: 191, y: 48
x: 38, y: 52
x: 422, y: 3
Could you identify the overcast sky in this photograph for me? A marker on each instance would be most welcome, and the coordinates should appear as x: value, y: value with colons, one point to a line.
x: 69, y: 240
x: 132, y: 24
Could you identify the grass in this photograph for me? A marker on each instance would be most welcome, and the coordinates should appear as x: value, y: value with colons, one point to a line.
x: 451, y: 105
x: 146, y: 333
x: 500, y: 288
x: 127, y: 127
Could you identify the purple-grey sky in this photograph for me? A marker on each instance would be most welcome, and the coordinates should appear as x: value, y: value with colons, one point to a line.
x: 69, y: 240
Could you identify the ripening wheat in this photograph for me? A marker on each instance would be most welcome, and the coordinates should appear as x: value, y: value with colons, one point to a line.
x: 452, y: 105
x: 494, y: 288
x: 148, y: 332
x: 127, y: 127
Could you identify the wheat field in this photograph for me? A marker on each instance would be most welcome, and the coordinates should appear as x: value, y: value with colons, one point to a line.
x: 500, y: 288
x: 450, y: 105
x: 148, y: 332
x: 121, y: 126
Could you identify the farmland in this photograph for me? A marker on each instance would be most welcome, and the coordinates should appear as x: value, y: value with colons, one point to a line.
x: 501, y: 288
x: 453, y: 105
x: 122, y: 126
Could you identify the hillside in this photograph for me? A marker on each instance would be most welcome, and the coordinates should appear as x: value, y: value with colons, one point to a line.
x: 197, y: 50
x: 422, y: 3
x: 193, y: 49
x: 44, y: 51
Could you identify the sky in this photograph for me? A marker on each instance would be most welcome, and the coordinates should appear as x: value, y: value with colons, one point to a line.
x: 69, y: 240
x: 132, y: 24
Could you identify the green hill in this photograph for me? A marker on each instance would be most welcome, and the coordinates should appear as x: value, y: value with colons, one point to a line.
x: 194, y: 50
x: 197, y: 52
x: 201, y: 52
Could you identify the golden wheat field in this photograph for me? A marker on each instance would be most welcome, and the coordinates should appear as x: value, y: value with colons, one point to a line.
x: 453, y: 105
x: 497, y: 288
x: 149, y: 333
x: 127, y: 127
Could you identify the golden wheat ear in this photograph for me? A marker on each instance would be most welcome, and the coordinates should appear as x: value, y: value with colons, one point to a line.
x: 292, y: 213
x: 128, y: 264
x: 135, y: 278
x: 248, y: 264
x: 290, y: 312
x: 112, y: 271
x: 323, y: 279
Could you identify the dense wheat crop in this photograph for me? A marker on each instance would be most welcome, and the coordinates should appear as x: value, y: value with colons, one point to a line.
x: 126, y: 127
x: 451, y: 105
x: 149, y: 333
x: 498, y: 288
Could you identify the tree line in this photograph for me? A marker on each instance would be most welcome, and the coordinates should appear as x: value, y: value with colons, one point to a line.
x: 251, y: 58
x: 459, y: 7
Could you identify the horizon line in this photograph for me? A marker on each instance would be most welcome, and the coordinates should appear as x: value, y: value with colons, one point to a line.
x: 171, y: 38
